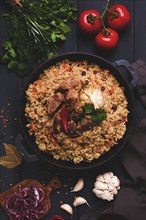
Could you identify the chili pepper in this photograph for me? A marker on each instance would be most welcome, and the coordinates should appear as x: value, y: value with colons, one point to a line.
x: 56, y: 217
x: 64, y: 117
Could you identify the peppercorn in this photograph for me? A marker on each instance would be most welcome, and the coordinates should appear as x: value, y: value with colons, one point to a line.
x: 102, y: 88
x: 83, y: 73
x: 86, y: 82
x: 95, y: 72
x: 114, y: 107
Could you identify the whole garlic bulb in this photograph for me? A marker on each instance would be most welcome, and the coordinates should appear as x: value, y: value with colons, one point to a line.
x: 92, y: 95
x: 106, y: 186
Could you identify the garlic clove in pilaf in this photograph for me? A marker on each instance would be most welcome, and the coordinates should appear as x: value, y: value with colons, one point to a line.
x: 92, y: 95
x: 106, y: 186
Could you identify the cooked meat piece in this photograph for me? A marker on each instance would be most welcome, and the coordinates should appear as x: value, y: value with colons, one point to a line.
x: 57, y: 122
x: 86, y: 125
x: 54, y: 103
x: 72, y: 95
x: 70, y: 83
x: 72, y: 129
x: 76, y: 116
x: 72, y: 126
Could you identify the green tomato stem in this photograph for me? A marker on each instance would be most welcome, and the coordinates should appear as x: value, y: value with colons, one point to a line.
x: 102, y: 17
x: 106, y: 8
x: 91, y: 19
x: 113, y: 13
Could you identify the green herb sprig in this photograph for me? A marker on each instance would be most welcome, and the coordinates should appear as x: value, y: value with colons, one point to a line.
x: 97, y: 115
x: 35, y: 28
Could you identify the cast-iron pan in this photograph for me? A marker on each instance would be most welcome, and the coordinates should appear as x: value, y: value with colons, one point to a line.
x: 115, y: 149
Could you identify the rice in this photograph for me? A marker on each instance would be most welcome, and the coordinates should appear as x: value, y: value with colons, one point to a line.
x: 91, y: 144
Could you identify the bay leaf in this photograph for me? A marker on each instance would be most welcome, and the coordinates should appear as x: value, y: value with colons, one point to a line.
x: 12, y: 151
x: 8, y: 162
x: 12, y: 159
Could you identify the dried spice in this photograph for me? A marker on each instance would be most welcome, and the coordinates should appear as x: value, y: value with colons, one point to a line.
x: 4, y: 117
x: 12, y: 158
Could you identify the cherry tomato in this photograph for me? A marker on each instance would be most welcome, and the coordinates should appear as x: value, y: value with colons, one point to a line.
x: 90, y: 22
x: 118, y: 17
x: 107, y: 39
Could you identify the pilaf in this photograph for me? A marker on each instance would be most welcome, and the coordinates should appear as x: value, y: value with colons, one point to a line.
x: 76, y: 110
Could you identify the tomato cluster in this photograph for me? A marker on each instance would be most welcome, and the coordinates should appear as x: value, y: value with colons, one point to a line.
x: 117, y: 18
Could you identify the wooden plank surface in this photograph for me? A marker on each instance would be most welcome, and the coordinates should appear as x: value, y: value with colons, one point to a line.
x: 132, y: 45
x: 139, y: 30
x: 10, y: 87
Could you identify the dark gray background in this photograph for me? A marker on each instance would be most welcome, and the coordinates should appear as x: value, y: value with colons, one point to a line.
x: 132, y: 45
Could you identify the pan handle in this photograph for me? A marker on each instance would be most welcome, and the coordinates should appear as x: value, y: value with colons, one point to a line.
x: 128, y: 67
x: 27, y: 157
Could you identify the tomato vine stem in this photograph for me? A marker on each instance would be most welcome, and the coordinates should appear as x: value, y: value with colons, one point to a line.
x: 106, y: 8
x: 106, y: 32
x: 91, y: 19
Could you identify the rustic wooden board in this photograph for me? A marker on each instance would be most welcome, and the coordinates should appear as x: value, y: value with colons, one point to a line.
x: 52, y: 185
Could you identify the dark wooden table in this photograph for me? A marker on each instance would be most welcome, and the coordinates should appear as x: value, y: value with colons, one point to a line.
x: 132, y: 45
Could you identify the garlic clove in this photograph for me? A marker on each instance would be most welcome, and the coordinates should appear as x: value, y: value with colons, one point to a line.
x: 97, y: 191
x: 115, y: 181
x: 111, y: 187
x: 92, y: 95
x: 67, y: 208
x: 79, y: 185
x: 100, y: 178
x: 100, y: 185
x: 115, y: 191
x: 111, y: 174
x: 107, y: 196
x: 107, y: 177
x: 97, y: 98
x: 80, y: 201
x: 118, y: 187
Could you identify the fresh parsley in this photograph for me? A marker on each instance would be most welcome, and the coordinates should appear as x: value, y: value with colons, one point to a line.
x: 97, y: 115
x: 35, y: 28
